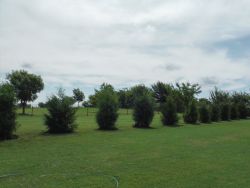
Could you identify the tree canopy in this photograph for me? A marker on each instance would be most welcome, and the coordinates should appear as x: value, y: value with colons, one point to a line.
x: 26, y: 86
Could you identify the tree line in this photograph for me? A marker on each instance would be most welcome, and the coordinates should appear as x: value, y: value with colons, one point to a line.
x: 170, y: 100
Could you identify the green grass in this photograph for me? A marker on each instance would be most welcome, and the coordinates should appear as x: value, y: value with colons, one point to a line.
x: 216, y: 155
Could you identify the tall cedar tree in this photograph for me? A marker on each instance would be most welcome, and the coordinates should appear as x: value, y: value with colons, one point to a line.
x: 169, y: 112
x: 7, y: 111
x: 107, y: 109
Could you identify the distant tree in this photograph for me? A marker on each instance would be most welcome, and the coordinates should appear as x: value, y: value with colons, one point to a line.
x: 204, y: 113
x: 92, y: 100
x: 218, y: 96
x: 235, y: 111
x: 169, y: 112
x: 161, y: 91
x: 26, y: 86
x: 107, y: 109
x: 177, y: 96
x: 243, y: 110
x: 143, y: 112
x: 225, y: 111
x: 61, y: 114
x: 78, y: 95
x: 125, y: 98
x: 86, y: 104
x: 191, y: 113
x: 243, y: 102
x: 215, y: 113
x: 7, y: 111
x: 204, y: 101
x: 241, y: 97
x: 188, y: 92
x: 41, y: 105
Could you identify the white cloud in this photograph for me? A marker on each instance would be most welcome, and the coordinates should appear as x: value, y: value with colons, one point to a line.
x: 124, y: 42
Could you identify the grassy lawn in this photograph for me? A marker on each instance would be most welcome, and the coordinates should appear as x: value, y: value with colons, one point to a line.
x: 216, y: 155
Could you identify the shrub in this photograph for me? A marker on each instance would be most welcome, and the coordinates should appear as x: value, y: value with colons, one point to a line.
x: 169, y: 112
x: 204, y: 114
x: 225, y: 112
x: 107, y: 109
x: 191, y: 113
x: 7, y: 111
x: 235, y: 112
x: 143, y: 111
x: 215, y: 113
x: 61, y: 117
x: 243, y: 110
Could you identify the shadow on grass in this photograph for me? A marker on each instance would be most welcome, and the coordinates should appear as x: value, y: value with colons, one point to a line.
x: 145, y: 128
x: 13, y: 137
x: 114, y: 129
x: 47, y: 133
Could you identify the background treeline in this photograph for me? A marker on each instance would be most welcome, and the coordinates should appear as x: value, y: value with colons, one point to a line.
x: 170, y: 100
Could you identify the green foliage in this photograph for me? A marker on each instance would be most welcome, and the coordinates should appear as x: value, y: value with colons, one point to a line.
x: 107, y: 109
x: 191, y: 113
x: 125, y: 98
x: 26, y: 86
x: 218, y: 96
x: 138, y: 91
x: 42, y: 105
x: 188, y: 92
x: 169, y: 112
x: 243, y: 110
x: 177, y: 96
x: 204, y: 114
x: 143, y: 112
x: 215, y: 113
x: 161, y: 91
x: 78, y: 95
x: 61, y: 114
x: 235, y: 111
x: 225, y: 112
x: 92, y: 100
x: 7, y: 111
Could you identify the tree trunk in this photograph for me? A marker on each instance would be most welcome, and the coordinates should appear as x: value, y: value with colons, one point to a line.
x: 23, y: 105
x: 78, y: 104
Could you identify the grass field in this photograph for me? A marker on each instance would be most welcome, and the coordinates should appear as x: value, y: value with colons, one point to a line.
x: 216, y: 155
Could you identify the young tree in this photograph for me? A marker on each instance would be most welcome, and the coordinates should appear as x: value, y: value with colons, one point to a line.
x: 191, y: 113
x: 107, y: 109
x: 143, y: 112
x: 243, y: 110
x: 26, y: 86
x: 225, y: 112
x: 78, y: 95
x: 138, y: 91
x: 204, y: 113
x: 61, y: 114
x: 218, y: 96
x: 188, y: 92
x: 7, y: 111
x: 235, y: 111
x: 215, y: 113
x: 161, y: 91
x: 169, y: 112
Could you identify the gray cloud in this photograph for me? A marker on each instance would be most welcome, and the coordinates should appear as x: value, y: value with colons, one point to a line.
x: 122, y: 42
x: 210, y: 81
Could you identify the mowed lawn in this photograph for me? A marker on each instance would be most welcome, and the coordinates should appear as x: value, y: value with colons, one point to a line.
x: 215, y: 155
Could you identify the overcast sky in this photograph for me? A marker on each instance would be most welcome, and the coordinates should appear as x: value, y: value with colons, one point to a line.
x: 82, y: 43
